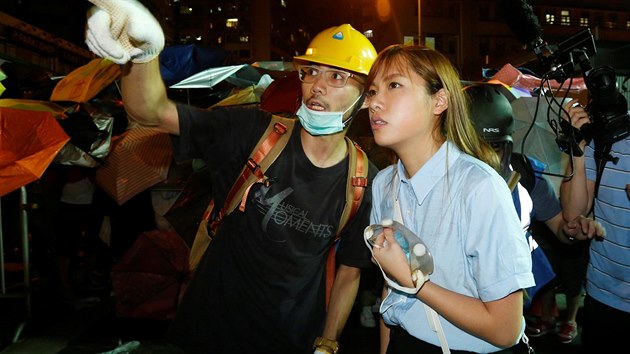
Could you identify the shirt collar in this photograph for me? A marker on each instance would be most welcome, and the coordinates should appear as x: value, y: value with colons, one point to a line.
x: 433, y: 170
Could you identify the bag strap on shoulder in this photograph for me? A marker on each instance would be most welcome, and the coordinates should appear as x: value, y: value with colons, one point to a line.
x: 270, y: 145
x: 355, y: 187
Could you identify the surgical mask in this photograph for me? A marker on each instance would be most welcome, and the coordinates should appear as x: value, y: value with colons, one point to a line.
x: 322, y: 123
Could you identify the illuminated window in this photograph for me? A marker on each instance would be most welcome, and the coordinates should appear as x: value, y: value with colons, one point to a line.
x: 219, y: 40
x: 231, y: 23
x: 550, y: 19
x: 243, y: 39
x: 565, y: 18
x: 584, y: 21
x: 368, y: 33
x: 185, y: 10
x: 283, y: 3
x: 628, y: 24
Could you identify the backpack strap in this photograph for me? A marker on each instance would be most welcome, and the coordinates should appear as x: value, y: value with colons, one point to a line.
x: 355, y: 187
x: 270, y: 145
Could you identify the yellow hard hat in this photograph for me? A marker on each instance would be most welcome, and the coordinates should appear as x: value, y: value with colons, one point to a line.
x: 343, y: 47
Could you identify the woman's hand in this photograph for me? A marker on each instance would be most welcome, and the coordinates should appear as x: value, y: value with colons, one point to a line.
x: 391, y: 257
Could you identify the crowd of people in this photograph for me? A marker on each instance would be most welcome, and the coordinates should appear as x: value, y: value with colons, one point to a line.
x: 261, y: 285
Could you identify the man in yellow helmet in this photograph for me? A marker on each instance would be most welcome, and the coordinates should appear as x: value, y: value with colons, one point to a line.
x: 260, y: 287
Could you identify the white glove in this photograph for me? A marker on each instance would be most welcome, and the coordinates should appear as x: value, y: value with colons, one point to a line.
x: 123, y: 30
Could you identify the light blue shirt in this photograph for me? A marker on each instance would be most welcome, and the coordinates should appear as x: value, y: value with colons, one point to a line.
x: 463, y: 211
x: 608, y: 272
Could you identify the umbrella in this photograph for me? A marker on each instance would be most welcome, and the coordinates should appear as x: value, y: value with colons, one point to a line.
x: 2, y: 77
x: 151, y: 278
x: 533, y: 135
x: 86, y: 81
x: 209, y: 77
x: 139, y: 159
x: 187, y: 211
x: 178, y: 62
x: 283, y: 95
x: 34, y: 105
x: 29, y: 141
x: 90, y: 134
x: 513, y: 77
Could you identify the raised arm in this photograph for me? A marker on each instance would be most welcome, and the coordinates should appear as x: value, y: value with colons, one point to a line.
x: 576, y: 192
x: 125, y: 32
x: 145, y: 99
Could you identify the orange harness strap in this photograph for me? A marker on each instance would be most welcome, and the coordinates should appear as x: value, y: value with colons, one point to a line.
x: 355, y: 186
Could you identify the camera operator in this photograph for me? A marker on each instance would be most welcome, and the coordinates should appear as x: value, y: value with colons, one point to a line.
x: 599, y: 183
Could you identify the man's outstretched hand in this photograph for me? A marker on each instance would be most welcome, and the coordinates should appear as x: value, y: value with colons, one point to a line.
x: 123, y: 30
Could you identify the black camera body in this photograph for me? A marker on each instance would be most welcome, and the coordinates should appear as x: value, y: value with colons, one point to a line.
x: 608, y: 108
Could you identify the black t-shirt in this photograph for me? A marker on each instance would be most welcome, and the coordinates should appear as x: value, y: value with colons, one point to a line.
x: 261, y: 285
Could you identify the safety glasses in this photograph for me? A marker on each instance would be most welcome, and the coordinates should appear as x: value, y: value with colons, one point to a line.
x: 334, y: 78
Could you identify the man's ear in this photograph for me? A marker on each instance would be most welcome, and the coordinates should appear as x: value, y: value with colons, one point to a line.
x: 366, y: 103
x: 440, y: 102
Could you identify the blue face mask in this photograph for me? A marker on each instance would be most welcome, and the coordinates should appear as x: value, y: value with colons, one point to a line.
x: 322, y: 123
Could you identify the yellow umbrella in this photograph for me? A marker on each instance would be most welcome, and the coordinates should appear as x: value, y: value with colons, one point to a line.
x: 85, y: 82
x: 240, y: 96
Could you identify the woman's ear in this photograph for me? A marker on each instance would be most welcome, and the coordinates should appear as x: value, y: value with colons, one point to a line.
x: 440, y: 102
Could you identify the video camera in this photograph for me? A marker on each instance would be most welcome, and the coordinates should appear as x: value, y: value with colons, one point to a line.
x: 608, y: 108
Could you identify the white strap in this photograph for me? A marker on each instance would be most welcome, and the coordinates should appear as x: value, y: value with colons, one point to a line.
x: 436, y: 326
x: 432, y: 316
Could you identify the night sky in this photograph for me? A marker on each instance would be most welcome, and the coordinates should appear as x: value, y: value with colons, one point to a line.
x: 63, y: 18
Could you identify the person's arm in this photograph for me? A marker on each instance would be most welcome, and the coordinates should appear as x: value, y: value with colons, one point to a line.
x: 344, y: 292
x: 498, y: 322
x: 578, y: 229
x: 576, y: 192
x: 145, y: 99
x: 126, y: 33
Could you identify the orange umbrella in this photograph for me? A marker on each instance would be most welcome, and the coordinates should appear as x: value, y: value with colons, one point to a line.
x: 29, y: 141
x: 33, y: 105
x: 139, y: 158
x: 85, y: 82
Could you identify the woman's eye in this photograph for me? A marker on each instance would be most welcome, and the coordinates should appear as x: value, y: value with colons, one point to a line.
x: 371, y: 93
x: 394, y: 85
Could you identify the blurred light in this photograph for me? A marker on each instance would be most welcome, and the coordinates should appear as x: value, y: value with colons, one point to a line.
x: 383, y: 10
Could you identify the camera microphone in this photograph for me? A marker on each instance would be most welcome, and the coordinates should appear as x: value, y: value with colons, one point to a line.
x: 523, y: 22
